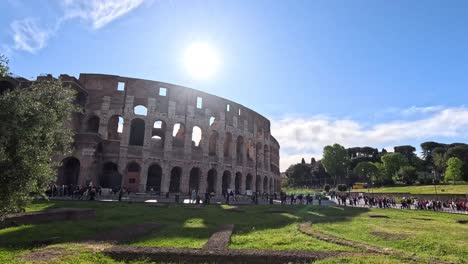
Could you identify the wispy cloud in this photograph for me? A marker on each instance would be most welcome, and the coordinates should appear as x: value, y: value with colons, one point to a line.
x: 306, y: 137
x: 28, y: 35
x: 98, y: 12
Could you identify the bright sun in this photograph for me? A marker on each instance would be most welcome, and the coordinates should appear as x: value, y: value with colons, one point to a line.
x: 201, y: 60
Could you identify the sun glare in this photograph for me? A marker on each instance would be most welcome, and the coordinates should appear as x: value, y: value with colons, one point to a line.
x: 201, y: 60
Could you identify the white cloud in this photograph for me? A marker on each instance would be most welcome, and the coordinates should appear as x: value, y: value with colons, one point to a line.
x: 304, y: 137
x: 98, y: 12
x: 28, y: 35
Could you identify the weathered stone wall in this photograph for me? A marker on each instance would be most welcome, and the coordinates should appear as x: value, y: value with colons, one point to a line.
x: 236, y: 147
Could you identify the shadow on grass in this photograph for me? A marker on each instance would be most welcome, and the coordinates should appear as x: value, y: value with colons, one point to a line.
x: 175, y: 231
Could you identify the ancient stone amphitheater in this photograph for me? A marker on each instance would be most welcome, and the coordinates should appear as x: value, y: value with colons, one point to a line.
x: 150, y: 136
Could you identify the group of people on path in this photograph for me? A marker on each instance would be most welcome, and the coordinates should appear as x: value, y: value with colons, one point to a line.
x: 404, y: 203
x: 299, y: 199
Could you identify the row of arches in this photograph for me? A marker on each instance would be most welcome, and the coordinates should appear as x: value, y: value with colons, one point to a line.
x: 158, y: 135
x: 109, y: 177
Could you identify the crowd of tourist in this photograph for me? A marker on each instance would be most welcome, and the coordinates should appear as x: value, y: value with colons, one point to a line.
x: 404, y: 203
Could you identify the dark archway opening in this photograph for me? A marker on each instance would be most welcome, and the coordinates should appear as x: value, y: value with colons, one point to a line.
x: 211, y: 181
x: 248, y: 182
x: 137, y: 132
x: 194, y: 181
x: 93, y: 125
x: 110, y: 177
x: 69, y: 172
x: 174, y: 185
x: 153, y: 182
x: 226, y: 184
x: 237, y: 182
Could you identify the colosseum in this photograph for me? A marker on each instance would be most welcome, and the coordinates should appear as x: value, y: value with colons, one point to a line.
x: 157, y: 137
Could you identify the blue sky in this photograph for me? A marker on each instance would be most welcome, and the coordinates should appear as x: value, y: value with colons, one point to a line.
x: 377, y: 73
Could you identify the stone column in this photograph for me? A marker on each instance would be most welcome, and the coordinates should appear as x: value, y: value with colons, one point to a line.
x: 166, y: 178
x: 184, y: 180
x: 143, y: 177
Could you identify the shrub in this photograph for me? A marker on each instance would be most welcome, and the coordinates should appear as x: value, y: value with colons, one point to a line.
x: 327, y: 187
x: 342, y: 187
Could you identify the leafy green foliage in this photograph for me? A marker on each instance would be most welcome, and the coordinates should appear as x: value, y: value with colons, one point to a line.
x: 460, y: 151
x: 407, y: 174
x: 326, y: 187
x: 454, y: 169
x: 367, y: 170
x: 4, y: 70
x: 335, y: 160
x: 32, y: 130
x: 392, y: 163
x: 342, y: 187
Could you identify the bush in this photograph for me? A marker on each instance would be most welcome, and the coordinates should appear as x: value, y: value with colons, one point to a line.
x: 342, y: 187
x: 327, y: 187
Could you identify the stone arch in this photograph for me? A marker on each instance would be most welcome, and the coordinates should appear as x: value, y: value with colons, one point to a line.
x: 69, y: 172
x: 158, y: 133
x: 265, y: 184
x: 196, y: 136
x: 92, y: 125
x: 137, y: 132
x: 258, y: 148
x: 132, y: 179
x: 250, y: 150
x: 140, y: 110
x: 249, y: 182
x: 211, y: 181
x: 174, y: 185
x: 153, y: 181
x: 238, y: 183
x: 240, y: 149
x: 227, y: 144
x: 213, y: 143
x: 194, y: 180
x: 178, y: 135
x: 115, y: 127
x: 110, y: 176
x: 226, y: 181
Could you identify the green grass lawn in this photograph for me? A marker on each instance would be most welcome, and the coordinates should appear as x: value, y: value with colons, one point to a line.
x: 255, y: 228
x: 425, y: 189
x: 300, y: 191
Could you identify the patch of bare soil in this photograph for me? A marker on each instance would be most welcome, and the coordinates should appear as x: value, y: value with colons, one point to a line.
x: 307, y: 229
x: 46, y: 255
x: 423, y: 219
x: 254, y: 256
x: 220, y: 239
x: 378, y: 216
x: 462, y: 221
x: 390, y: 235
x: 125, y: 233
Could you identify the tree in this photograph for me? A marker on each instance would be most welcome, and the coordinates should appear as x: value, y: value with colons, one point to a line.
x: 327, y: 187
x: 392, y: 163
x: 461, y: 152
x: 407, y: 174
x: 335, y: 160
x: 32, y: 129
x: 299, y: 174
x: 406, y: 150
x: 4, y: 70
x: 380, y: 174
x: 439, y: 159
x: 303, y: 161
x: 366, y: 169
x: 454, y: 170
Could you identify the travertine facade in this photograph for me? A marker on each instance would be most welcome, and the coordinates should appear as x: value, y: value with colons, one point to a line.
x: 158, y: 137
